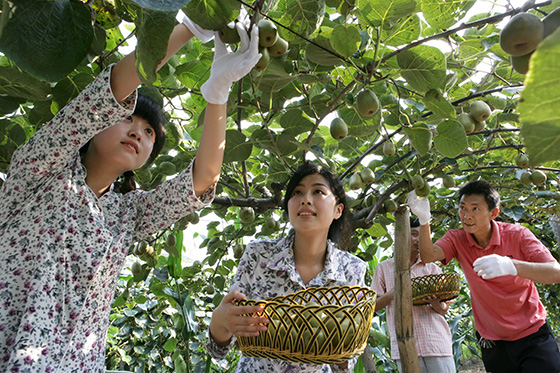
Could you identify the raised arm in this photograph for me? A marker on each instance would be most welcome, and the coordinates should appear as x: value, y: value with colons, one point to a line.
x: 227, y: 68
x: 124, y: 78
x: 421, y: 208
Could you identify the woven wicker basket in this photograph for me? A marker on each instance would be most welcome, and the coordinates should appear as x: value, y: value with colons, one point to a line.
x: 443, y: 285
x: 318, y: 325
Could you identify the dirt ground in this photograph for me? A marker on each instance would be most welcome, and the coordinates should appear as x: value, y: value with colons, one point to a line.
x: 472, y: 366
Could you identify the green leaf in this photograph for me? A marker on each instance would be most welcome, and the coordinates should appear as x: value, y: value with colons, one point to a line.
x: 303, y: 17
x: 444, y: 14
x: 17, y: 84
x: 237, y: 148
x: 346, y: 40
x: 377, y: 230
x: 119, y: 302
x: 170, y: 345
x: 451, y: 139
x: 438, y: 104
x: 296, y: 121
x: 9, y: 104
x: 321, y: 52
x: 420, y: 136
x: 11, y: 136
x: 67, y: 89
x: 180, y: 364
x: 189, y: 310
x: 404, y: 32
x: 286, y: 144
x: 385, y: 12
x: 153, y: 30
x: 162, y: 4
x: 516, y: 212
x: 47, y: 39
x: 212, y: 14
x: 358, y: 125
x: 274, y: 78
x: 540, y: 101
x: 423, y: 67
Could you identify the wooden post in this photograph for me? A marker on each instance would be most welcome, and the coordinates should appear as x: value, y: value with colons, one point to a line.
x: 403, y: 293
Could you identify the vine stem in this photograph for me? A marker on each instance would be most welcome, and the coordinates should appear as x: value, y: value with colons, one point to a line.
x: 238, y: 120
x: 329, y: 109
x: 548, y: 169
x: 463, y: 26
x: 372, y: 148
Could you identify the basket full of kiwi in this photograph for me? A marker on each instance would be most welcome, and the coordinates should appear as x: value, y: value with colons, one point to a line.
x: 318, y: 325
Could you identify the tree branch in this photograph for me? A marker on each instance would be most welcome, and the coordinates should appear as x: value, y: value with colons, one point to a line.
x: 464, y: 26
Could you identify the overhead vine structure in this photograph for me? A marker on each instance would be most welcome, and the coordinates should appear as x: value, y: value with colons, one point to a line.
x: 426, y: 61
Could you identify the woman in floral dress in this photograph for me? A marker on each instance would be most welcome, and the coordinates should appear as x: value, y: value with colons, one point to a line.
x: 316, y: 205
x: 64, y: 230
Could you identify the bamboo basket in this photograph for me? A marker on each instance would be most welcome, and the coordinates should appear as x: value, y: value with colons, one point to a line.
x: 443, y: 285
x: 319, y: 325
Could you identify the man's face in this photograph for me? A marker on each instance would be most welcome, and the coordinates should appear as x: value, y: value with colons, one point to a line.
x: 475, y: 215
x: 414, y: 241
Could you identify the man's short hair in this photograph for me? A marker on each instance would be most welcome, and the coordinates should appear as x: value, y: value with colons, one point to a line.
x: 414, y: 222
x: 483, y: 188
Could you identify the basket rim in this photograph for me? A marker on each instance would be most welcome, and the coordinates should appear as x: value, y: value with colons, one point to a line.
x: 281, y: 298
x: 418, y: 297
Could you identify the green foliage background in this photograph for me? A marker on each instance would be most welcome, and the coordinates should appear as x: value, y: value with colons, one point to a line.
x: 425, y: 61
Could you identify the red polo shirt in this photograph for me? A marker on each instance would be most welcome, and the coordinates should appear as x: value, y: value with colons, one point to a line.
x: 508, y: 307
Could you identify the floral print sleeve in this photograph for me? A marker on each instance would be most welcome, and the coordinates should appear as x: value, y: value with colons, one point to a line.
x: 241, y: 283
x: 168, y: 202
x: 55, y: 144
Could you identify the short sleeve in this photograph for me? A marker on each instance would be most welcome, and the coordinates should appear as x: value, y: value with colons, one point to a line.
x: 448, y: 247
x: 378, y: 283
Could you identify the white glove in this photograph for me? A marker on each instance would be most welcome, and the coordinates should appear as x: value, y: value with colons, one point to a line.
x: 202, y: 34
x: 494, y: 265
x: 243, y: 18
x: 228, y: 68
x: 420, y: 207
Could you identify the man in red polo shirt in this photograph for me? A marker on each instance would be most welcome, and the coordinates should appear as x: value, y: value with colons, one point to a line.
x: 500, y: 262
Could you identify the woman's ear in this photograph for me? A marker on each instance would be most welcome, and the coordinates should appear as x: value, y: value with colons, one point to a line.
x: 338, y: 211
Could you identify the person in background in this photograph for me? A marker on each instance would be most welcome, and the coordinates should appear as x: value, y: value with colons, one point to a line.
x: 65, y: 229
x: 501, y: 262
x: 431, y: 331
x: 316, y: 204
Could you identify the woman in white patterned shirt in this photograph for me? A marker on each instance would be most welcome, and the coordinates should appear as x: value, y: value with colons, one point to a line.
x: 316, y: 204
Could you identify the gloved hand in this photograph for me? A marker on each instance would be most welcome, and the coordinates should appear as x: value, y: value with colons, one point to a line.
x: 494, y: 265
x: 420, y: 207
x: 228, y: 68
x: 202, y: 34
x: 243, y: 18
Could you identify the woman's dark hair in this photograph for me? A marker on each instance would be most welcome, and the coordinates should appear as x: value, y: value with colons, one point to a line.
x: 335, y: 230
x: 483, y: 188
x: 149, y: 110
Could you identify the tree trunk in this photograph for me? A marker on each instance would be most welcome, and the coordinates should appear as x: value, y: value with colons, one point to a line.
x: 369, y: 362
x: 403, y: 293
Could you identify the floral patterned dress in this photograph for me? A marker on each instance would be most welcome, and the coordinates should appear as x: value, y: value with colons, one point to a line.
x: 62, y: 248
x: 267, y: 269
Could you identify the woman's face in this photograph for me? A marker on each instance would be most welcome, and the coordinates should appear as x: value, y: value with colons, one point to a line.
x: 312, y: 206
x: 125, y: 146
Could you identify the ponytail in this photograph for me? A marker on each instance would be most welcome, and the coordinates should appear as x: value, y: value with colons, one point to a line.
x: 127, y: 183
